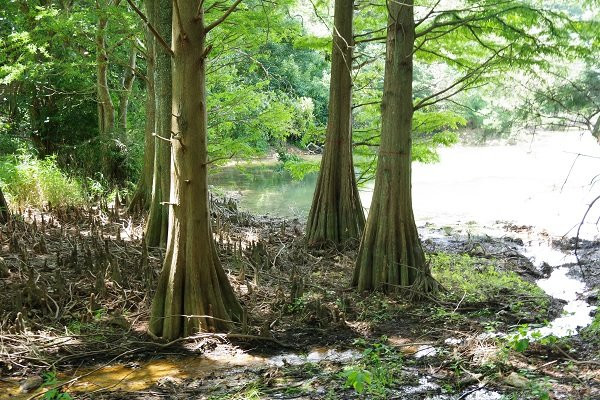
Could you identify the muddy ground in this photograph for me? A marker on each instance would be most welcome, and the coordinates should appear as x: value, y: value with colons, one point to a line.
x: 75, y: 288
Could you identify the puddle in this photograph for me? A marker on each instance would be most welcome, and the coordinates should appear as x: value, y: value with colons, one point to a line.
x: 481, y: 394
x: 425, y: 351
x: 315, y: 356
x: 425, y: 385
x: 140, y: 376
x: 11, y: 389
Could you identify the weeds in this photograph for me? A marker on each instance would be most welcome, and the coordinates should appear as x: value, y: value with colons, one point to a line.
x: 480, y: 284
x: 29, y: 181
x: 378, y: 370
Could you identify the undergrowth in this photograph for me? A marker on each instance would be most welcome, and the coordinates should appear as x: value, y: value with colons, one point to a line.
x: 29, y: 181
x: 479, y: 280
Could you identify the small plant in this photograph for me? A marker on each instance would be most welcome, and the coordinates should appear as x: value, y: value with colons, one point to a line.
x: 357, y: 378
x: 298, y: 305
x: 519, y: 342
x: 377, y: 371
x: 540, y: 389
x: 375, y: 308
x: 50, y: 379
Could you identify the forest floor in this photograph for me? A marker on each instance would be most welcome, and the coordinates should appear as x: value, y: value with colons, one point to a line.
x: 75, y: 289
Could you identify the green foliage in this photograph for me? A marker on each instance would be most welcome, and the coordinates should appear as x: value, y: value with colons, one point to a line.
x: 378, y: 370
x: 357, y: 378
x: 48, y: 79
x: 297, y: 166
x: 375, y: 308
x: 591, y: 333
x: 29, y: 181
x: 50, y: 379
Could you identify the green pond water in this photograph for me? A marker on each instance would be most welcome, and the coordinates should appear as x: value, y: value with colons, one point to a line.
x: 266, y: 189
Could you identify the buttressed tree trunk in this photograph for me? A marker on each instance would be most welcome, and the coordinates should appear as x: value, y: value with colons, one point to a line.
x: 143, y: 192
x: 390, y: 255
x: 193, y: 292
x: 158, y: 217
x: 336, y: 213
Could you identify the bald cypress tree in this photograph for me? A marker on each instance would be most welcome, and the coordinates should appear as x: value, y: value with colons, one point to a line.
x: 193, y: 292
x: 336, y: 213
x: 391, y: 255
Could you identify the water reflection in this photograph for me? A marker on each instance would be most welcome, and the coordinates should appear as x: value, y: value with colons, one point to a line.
x: 266, y: 189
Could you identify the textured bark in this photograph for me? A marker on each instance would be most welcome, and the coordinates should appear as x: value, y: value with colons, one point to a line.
x: 4, y: 212
x: 126, y: 86
x: 158, y: 217
x: 390, y: 254
x: 193, y: 292
x: 336, y: 214
x: 596, y: 129
x: 106, y: 108
x: 143, y: 192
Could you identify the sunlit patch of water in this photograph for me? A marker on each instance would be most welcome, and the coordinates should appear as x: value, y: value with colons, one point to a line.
x: 577, y: 313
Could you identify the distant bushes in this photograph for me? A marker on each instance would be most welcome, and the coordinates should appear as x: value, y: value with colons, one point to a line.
x: 29, y: 181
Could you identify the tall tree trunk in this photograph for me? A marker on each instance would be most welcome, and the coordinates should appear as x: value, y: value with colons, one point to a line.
x: 143, y: 192
x: 192, y: 283
x: 336, y: 213
x: 106, y: 108
x: 126, y: 87
x: 158, y: 217
x: 390, y: 254
x: 4, y: 212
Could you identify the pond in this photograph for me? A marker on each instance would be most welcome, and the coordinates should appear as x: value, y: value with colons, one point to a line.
x: 546, y: 181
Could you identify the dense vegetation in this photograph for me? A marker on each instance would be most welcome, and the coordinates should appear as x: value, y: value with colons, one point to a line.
x: 114, y: 113
x: 274, y: 89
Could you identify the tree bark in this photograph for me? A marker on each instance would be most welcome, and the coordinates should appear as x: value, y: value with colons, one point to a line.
x: 126, y: 87
x: 143, y: 191
x: 193, y: 292
x: 106, y: 108
x: 158, y: 217
x: 390, y: 255
x: 4, y: 212
x: 336, y: 214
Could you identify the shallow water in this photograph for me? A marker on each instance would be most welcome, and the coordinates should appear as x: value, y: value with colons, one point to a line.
x: 577, y: 313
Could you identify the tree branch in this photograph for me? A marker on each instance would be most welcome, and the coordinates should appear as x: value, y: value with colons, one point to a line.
x: 223, y: 17
x: 476, y: 71
x: 160, y: 39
